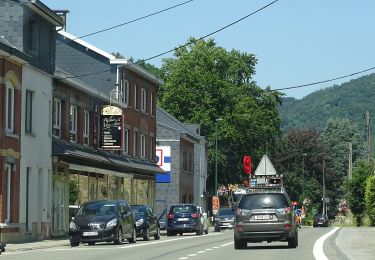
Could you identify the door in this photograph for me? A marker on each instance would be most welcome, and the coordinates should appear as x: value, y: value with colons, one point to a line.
x: 59, y: 215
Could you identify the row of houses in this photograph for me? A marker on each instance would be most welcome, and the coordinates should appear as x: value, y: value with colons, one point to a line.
x: 53, y: 89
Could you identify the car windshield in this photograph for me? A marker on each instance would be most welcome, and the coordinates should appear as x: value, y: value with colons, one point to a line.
x: 263, y: 201
x: 184, y: 209
x: 97, y: 208
x: 138, y: 210
x: 225, y: 211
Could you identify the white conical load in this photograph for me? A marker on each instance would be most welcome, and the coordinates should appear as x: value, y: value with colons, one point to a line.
x: 265, y: 167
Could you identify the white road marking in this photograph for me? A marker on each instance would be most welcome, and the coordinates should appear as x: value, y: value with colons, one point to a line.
x: 201, y: 252
x: 192, y: 255
x: 209, y: 249
x: 182, y: 258
x: 318, y: 246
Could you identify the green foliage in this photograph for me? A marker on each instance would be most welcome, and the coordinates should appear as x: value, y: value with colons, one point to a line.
x: 117, y: 55
x: 355, y: 189
x: 73, y: 192
x: 370, y: 199
x: 151, y: 68
x: 348, y: 100
x: 204, y: 82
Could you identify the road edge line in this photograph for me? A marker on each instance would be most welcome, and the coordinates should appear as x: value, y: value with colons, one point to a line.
x: 318, y: 246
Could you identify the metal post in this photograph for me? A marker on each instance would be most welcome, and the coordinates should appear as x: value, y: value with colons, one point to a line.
x: 216, y: 157
x: 350, y: 160
x: 303, y: 172
x: 324, y: 189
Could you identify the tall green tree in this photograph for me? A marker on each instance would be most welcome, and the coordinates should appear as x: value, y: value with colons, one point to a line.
x: 204, y: 82
x: 370, y: 199
x: 355, y: 189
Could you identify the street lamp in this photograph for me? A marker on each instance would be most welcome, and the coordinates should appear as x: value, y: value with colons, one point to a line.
x: 303, y: 172
x: 216, y: 122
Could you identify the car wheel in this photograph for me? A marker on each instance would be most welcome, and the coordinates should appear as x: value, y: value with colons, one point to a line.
x: 91, y: 243
x: 293, y: 243
x: 133, y: 239
x: 146, y: 237
x: 206, y: 231
x: 200, y: 231
x: 73, y: 243
x: 217, y: 229
x: 118, y: 239
x: 180, y: 233
x: 157, y: 235
x: 239, y: 243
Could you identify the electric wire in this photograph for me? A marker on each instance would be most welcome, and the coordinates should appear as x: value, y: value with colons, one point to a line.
x: 181, y: 46
x: 132, y: 21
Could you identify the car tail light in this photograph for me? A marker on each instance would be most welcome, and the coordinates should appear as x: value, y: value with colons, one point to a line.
x: 239, y: 227
x: 242, y: 212
x: 287, y: 210
x: 170, y: 216
x: 195, y: 215
x: 287, y: 226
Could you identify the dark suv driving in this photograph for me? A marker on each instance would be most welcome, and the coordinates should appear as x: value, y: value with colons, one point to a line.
x: 102, y: 221
x: 265, y: 215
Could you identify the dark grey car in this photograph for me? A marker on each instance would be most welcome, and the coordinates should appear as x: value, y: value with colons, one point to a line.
x: 224, y: 219
x: 265, y: 216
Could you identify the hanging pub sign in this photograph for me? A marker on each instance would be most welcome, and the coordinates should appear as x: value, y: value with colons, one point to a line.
x: 110, y: 128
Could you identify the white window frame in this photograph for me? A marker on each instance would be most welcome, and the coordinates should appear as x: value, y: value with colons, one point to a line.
x: 143, y: 146
x: 135, y: 96
x: 56, y: 114
x: 125, y: 91
x: 73, y: 122
x: 126, y: 141
x: 86, y: 127
x: 8, y: 171
x: 143, y: 100
x: 9, y: 108
x: 29, y: 111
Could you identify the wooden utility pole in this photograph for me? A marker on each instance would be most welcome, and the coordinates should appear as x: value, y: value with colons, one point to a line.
x: 350, y: 160
x: 324, y: 189
x: 367, y: 117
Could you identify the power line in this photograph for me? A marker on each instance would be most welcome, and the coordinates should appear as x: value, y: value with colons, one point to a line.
x: 324, y: 81
x: 184, y: 45
x: 132, y: 21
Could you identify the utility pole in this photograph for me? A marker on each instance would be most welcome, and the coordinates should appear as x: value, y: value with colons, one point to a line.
x: 216, y: 122
x: 303, y: 172
x: 350, y: 160
x: 367, y: 116
x: 324, y: 188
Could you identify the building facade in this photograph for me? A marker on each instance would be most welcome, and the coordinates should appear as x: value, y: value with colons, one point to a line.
x: 188, y: 163
x: 82, y: 170
x: 29, y: 29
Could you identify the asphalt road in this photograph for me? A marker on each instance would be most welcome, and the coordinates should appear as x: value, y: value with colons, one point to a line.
x: 189, y: 246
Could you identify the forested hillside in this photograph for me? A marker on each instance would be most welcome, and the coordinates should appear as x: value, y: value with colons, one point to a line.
x: 348, y: 100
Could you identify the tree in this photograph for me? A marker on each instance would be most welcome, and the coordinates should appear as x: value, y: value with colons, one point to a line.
x: 73, y: 191
x: 370, y: 199
x: 151, y: 68
x: 204, y: 82
x: 356, y: 189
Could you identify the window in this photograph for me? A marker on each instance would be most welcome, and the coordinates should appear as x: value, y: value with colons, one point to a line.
x: 184, y: 158
x: 125, y: 91
x: 152, y: 103
x: 33, y: 37
x: 73, y: 123
x: 56, y: 117
x: 190, y: 166
x: 9, y: 108
x: 143, y: 146
x: 86, y: 127
x: 29, y: 112
x: 135, y: 96
x: 135, y: 144
x: 144, y: 100
x: 126, y: 141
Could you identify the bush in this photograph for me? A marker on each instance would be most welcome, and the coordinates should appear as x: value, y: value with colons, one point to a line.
x: 370, y: 199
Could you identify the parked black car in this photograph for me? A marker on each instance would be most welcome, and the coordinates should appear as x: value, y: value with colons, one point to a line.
x: 224, y: 219
x: 184, y: 218
x: 103, y: 221
x: 321, y: 220
x: 146, y: 222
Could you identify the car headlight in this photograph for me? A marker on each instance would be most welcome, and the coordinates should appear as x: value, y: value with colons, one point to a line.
x: 139, y: 222
x: 112, y: 223
x: 72, y: 226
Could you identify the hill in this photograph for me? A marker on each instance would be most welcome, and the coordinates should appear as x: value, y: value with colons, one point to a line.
x: 348, y: 100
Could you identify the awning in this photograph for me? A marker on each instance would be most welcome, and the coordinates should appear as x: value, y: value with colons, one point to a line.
x: 84, y: 168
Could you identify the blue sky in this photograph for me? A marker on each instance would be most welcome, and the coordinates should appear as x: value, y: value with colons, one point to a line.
x: 296, y: 41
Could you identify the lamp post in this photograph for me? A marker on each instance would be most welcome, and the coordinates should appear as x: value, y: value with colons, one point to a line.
x: 216, y: 122
x: 303, y: 172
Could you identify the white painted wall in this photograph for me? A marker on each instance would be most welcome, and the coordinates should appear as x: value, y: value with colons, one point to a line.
x: 36, y: 149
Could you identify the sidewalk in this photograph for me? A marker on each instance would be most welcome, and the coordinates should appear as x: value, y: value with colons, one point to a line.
x: 357, y: 242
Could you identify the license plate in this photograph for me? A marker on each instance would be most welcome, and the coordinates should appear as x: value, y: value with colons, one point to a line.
x: 226, y: 224
x: 320, y: 222
x: 89, y: 234
x: 182, y: 219
x: 263, y: 217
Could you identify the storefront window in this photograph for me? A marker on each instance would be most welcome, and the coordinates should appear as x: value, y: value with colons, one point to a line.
x: 83, y: 187
x: 112, y: 187
x: 102, y: 187
x: 127, y: 189
x: 93, y: 187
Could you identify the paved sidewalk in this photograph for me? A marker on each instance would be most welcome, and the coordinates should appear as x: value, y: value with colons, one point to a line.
x: 37, y: 245
x: 357, y: 242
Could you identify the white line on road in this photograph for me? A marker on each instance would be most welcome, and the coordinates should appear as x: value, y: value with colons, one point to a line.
x: 318, y: 246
